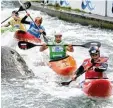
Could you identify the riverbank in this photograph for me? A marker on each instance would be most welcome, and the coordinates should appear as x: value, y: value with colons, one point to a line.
x: 76, y: 17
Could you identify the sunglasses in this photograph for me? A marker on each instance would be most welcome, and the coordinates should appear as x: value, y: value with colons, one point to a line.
x: 95, y: 54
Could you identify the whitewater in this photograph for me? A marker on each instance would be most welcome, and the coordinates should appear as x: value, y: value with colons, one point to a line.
x: 43, y: 90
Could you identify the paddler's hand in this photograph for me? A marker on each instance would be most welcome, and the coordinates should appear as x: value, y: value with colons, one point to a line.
x: 70, y: 48
x: 44, y: 44
x: 42, y: 31
x: 43, y: 47
x: 74, y: 77
x: 27, y: 14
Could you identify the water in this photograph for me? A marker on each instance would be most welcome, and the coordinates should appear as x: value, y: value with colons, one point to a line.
x: 43, y: 91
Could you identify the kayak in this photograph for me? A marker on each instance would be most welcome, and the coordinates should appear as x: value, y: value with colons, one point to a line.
x: 98, y: 88
x: 25, y: 36
x: 5, y: 29
x: 64, y: 66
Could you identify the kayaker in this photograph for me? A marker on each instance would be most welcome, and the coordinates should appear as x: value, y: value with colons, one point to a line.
x: 57, y: 52
x: 15, y: 22
x: 93, y: 67
x: 36, y: 29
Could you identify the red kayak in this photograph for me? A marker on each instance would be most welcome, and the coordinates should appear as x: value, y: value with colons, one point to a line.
x: 98, y: 88
x: 25, y: 36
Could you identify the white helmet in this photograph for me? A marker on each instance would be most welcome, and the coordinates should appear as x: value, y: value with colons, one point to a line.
x: 57, y: 33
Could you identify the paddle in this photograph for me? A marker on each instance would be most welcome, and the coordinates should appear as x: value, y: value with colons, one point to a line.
x: 67, y: 83
x: 26, y: 4
x: 43, y: 34
x: 27, y: 45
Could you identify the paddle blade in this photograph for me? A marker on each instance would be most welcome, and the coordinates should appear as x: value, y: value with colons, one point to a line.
x: 93, y: 43
x: 27, y: 5
x: 25, y: 45
x: 66, y: 83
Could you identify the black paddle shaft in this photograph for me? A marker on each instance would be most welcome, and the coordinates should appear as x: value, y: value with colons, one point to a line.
x: 67, y: 83
x: 31, y: 45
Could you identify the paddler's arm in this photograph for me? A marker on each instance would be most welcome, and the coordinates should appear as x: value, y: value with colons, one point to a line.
x: 78, y: 72
x: 24, y: 20
x: 6, y: 25
x: 43, y: 47
x: 70, y: 48
x: 101, y: 68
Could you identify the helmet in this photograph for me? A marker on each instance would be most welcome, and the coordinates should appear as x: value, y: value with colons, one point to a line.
x: 94, y: 50
x: 15, y: 12
x: 38, y: 19
x: 57, y: 33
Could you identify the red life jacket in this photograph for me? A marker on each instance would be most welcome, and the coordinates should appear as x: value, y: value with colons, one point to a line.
x: 90, y: 73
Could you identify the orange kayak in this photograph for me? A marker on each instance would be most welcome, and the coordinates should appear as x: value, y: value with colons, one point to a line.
x: 65, y: 66
x: 98, y: 88
x: 25, y: 36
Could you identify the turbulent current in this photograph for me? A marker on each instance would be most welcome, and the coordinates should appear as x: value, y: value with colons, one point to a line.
x: 43, y: 90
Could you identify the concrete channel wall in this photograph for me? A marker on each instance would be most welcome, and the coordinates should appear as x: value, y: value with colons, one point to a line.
x: 82, y: 18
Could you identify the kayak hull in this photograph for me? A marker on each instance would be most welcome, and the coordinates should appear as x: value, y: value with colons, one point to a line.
x: 25, y: 36
x: 64, y: 66
x: 98, y: 88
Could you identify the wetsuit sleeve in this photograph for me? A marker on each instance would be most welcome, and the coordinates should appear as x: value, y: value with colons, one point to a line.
x: 24, y: 20
x: 80, y: 71
x: 102, y: 68
x: 44, y: 33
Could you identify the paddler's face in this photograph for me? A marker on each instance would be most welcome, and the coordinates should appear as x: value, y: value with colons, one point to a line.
x: 38, y: 20
x: 58, y: 38
x: 15, y: 16
x: 95, y: 56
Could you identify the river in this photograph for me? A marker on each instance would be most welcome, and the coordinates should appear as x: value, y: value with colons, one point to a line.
x: 43, y: 90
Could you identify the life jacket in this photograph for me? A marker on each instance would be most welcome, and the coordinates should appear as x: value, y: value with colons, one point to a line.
x: 91, y: 73
x: 33, y: 29
x: 17, y: 24
x: 57, y: 52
